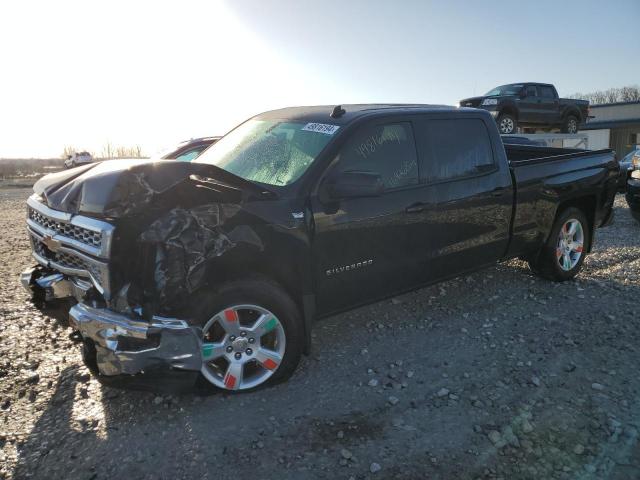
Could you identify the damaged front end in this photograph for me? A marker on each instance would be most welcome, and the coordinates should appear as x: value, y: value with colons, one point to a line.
x: 130, y: 244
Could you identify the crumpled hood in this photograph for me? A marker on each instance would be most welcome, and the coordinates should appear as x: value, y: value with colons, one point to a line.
x: 117, y: 188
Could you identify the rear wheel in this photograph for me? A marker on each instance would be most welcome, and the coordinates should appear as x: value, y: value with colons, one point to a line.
x: 507, y: 124
x: 252, y: 336
x: 563, y: 255
x: 570, y: 125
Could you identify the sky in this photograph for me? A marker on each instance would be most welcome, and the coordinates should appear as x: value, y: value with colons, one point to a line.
x: 152, y: 73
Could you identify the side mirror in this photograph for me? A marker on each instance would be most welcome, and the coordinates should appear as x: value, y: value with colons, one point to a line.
x: 354, y: 185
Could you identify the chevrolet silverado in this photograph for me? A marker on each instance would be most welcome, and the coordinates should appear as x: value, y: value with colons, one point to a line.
x: 213, y: 272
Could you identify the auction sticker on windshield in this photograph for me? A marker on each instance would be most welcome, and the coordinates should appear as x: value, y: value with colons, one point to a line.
x: 321, y: 128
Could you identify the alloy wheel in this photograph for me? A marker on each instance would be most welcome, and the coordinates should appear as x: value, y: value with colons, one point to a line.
x: 570, y: 244
x: 506, y: 125
x: 242, y: 347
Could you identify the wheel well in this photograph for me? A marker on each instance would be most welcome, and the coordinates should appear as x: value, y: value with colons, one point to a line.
x: 573, y: 113
x: 247, y: 266
x: 510, y: 111
x: 587, y: 204
x: 224, y: 273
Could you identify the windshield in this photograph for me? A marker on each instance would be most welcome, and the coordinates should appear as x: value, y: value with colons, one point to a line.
x: 512, y: 89
x: 274, y: 152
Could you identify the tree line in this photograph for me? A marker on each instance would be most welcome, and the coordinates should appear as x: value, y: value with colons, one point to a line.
x: 612, y: 95
x: 108, y: 151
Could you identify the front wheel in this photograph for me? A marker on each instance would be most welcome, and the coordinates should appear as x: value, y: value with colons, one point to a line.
x: 507, y: 124
x: 570, y: 125
x: 252, y: 335
x: 561, y: 258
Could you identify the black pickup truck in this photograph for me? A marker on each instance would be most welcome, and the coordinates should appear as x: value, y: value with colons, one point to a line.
x: 534, y: 105
x: 214, y: 271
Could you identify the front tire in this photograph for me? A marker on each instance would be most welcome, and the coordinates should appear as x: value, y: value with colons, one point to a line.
x: 562, y: 256
x: 570, y: 124
x: 507, y: 124
x: 252, y: 335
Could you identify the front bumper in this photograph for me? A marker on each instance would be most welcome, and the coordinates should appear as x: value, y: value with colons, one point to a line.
x: 129, y: 346
x: 118, y: 344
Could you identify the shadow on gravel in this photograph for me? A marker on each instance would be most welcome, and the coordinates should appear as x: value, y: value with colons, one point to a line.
x: 73, y: 441
x: 58, y: 418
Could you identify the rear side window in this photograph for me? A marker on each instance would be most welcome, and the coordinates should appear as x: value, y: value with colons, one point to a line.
x: 456, y: 148
x: 546, y: 92
x: 386, y: 149
x: 190, y: 154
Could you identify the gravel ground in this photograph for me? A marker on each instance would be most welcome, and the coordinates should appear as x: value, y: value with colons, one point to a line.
x: 496, y: 375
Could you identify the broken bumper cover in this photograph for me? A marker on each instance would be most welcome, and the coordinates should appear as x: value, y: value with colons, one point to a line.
x: 51, y: 285
x: 127, y: 346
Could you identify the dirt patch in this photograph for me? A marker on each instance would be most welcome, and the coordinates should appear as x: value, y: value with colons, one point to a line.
x: 495, y: 375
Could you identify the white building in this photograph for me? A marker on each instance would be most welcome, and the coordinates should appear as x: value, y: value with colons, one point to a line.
x: 615, y: 125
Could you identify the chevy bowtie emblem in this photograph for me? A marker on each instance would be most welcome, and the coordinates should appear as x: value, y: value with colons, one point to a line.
x: 51, y: 243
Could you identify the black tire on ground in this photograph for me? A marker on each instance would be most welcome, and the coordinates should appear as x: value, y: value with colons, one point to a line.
x: 570, y: 124
x: 264, y: 293
x: 507, y: 124
x: 545, y: 263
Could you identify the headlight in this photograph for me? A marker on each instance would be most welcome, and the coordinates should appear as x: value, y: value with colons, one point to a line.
x: 489, y: 101
x: 635, y: 161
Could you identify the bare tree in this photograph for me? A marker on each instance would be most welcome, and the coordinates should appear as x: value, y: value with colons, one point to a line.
x: 612, y: 95
x: 67, y: 151
x: 129, y: 152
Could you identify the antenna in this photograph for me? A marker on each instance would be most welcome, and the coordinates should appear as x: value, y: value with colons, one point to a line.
x: 338, y: 111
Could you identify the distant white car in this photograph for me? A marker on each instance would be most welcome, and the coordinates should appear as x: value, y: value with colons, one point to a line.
x: 78, y: 158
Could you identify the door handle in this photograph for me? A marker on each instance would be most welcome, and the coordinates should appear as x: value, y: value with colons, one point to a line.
x: 416, y: 208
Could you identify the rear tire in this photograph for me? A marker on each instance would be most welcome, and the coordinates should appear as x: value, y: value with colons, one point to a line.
x: 507, y: 124
x: 570, y: 124
x: 256, y: 369
x: 562, y: 256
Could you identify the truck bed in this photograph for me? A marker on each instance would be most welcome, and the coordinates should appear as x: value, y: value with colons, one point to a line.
x: 545, y: 178
x: 532, y: 154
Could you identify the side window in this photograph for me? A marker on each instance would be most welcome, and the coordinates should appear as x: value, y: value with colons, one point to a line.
x: 547, y: 92
x: 532, y: 91
x: 456, y: 148
x: 387, y: 149
x: 189, y: 155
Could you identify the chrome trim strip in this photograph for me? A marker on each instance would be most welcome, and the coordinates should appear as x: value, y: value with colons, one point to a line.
x: 42, y: 208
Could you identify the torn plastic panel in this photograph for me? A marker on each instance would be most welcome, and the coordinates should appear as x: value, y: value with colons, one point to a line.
x: 186, y: 240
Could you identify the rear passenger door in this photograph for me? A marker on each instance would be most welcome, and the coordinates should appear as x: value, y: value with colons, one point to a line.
x: 549, y: 105
x: 467, y: 196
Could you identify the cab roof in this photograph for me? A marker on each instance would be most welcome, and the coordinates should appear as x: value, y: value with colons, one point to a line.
x: 322, y: 113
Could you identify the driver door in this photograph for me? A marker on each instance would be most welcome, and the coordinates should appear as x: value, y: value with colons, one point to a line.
x: 360, y: 244
x: 529, y: 105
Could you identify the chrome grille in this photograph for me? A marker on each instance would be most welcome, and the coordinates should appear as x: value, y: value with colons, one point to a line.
x: 74, y: 232
x: 74, y: 245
